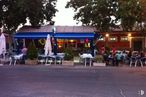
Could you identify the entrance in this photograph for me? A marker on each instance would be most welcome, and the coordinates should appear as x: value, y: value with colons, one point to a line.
x: 137, y: 44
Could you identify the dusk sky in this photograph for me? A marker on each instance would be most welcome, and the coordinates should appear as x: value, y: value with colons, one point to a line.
x: 64, y: 16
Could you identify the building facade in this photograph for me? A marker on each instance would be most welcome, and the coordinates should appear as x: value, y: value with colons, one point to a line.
x: 67, y: 37
x: 124, y: 40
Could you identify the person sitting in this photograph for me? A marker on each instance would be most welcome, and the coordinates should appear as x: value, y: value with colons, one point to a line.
x: 102, y: 50
x: 142, y: 57
x: 113, y: 50
x: 111, y: 60
x: 24, y: 52
x: 118, y: 58
x: 124, y: 57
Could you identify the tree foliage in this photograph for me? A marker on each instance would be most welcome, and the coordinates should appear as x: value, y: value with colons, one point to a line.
x: 15, y: 12
x: 143, y: 7
x: 94, y: 12
x: 106, y: 14
x: 128, y: 13
x: 143, y: 13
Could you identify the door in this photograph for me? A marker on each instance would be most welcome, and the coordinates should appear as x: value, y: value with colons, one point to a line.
x: 137, y: 45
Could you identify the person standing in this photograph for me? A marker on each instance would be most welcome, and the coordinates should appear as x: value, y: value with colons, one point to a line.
x: 102, y: 50
x: 113, y: 50
x: 24, y: 52
x: 118, y: 57
x: 104, y: 54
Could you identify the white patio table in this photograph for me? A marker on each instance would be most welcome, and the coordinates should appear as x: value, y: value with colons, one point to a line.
x: 87, y: 56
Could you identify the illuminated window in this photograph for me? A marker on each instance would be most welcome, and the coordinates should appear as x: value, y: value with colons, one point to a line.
x: 60, y: 41
x: 113, y: 39
x: 124, y: 38
x: 101, y: 39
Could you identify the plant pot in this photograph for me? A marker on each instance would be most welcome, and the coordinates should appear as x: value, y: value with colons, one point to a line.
x: 31, y: 62
x: 99, y: 64
x: 67, y: 63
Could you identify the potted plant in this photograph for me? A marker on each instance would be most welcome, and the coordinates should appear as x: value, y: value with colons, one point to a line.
x: 98, y: 61
x: 68, y: 58
x: 32, y: 54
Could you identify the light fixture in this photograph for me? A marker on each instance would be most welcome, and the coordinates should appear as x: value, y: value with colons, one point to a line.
x: 107, y: 35
x: 59, y: 46
x: 71, y: 40
x: 129, y: 35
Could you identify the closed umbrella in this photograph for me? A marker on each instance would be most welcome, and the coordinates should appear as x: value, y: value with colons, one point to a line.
x: 2, y: 44
x: 48, y: 46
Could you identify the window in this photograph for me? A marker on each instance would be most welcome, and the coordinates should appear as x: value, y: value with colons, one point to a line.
x: 124, y: 38
x: 102, y: 39
x: 113, y: 39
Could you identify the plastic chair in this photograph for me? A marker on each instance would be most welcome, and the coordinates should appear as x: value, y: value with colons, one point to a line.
x: 15, y: 58
x: 139, y: 60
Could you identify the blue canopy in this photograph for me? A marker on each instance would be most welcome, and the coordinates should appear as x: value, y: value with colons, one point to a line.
x: 78, y: 35
x: 60, y: 35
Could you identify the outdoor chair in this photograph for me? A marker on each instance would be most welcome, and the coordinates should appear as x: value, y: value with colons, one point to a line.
x: 132, y: 61
x: 59, y: 60
x: 77, y: 60
x: 111, y: 61
x: 143, y: 60
x: 139, y: 61
x: 88, y: 61
x: 136, y: 61
x: 49, y: 61
x: 15, y: 58
x: 41, y: 59
x: 53, y: 60
x: 5, y: 58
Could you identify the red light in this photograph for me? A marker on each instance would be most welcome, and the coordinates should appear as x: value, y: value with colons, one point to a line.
x: 86, y: 40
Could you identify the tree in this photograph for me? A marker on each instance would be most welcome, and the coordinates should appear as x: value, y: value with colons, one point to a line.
x: 129, y: 12
x: 15, y: 12
x: 95, y: 12
x: 142, y: 18
x: 105, y: 14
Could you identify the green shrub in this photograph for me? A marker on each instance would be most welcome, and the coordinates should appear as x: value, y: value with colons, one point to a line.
x: 32, y: 51
x: 99, y: 58
x: 68, y: 54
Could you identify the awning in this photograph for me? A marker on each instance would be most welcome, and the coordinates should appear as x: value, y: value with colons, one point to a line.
x: 59, y: 35
x: 31, y: 35
x: 74, y: 35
